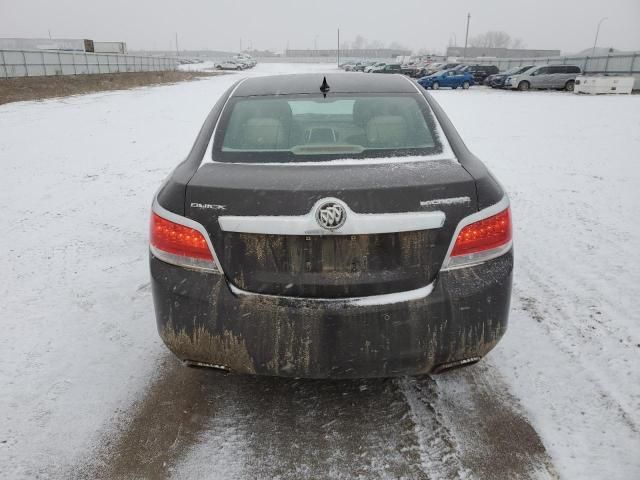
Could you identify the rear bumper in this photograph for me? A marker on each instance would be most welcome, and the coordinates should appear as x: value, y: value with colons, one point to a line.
x: 462, y: 315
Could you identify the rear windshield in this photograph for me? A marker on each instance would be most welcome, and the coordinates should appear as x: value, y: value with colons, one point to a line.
x: 298, y: 128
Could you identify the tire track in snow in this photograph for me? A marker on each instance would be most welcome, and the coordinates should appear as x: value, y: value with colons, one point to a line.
x: 204, y: 424
x: 470, y: 426
x: 438, y: 449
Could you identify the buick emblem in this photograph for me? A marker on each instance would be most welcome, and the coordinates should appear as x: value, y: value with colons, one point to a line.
x: 331, y: 215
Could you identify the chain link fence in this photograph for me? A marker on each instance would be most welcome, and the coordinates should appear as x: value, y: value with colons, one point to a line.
x: 38, y: 63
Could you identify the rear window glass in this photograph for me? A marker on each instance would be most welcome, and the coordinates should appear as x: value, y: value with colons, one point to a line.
x: 311, y: 128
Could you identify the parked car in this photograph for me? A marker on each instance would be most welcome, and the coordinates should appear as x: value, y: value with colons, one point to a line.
x: 362, y: 66
x: 389, y: 68
x: 497, y: 80
x: 447, y: 78
x: 428, y: 69
x: 229, y: 65
x: 246, y: 58
x: 410, y: 68
x: 451, y: 66
x: 546, y: 76
x: 480, y: 72
x: 390, y: 254
x: 374, y: 67
x: 244, y: 63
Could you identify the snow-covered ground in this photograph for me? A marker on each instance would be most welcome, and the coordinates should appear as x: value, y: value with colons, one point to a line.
x: 572, y: 353
x: 84, y: 376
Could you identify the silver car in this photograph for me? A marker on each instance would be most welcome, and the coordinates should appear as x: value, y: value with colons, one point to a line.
x: 561, y: 77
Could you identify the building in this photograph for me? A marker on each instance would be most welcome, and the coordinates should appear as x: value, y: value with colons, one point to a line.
x: 62, y: 44
x: 476, y: 52
x: 349, y: 53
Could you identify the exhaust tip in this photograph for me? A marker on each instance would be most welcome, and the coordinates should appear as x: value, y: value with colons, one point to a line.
x: 214, y: 366
x: 446, y: 367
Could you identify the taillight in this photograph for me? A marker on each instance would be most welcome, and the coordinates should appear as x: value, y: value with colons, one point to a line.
x: 180, y: 244
x: 482, y: 240
x: 486, y: 234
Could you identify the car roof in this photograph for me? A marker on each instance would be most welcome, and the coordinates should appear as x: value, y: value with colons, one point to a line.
x: 309, y: 83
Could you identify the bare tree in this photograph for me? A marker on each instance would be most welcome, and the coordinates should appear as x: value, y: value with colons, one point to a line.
x: 495, y: 39
x: 517, y: 43
x: 359, y: 42
x: 397, y: 46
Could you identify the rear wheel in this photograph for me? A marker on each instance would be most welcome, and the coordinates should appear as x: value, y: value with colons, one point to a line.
x: 435, y: 85
x: 523, y: 86
x: 238, y: 67
x: 465, y: 85
x: 570, y: 85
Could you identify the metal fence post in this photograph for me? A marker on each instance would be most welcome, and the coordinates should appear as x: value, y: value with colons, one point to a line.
x: 4, y: 64
x: 60, y: 63
x: 633, y: 61
x: 86, y: 60
x: 44, y: 66
x: 586, y: 62
x: 24, y: 60
x: 606, y: 64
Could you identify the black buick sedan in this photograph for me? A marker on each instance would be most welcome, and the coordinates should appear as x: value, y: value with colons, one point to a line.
x: 330, y: 227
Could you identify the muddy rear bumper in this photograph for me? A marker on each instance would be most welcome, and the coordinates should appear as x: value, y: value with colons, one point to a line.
x: 201, y: 319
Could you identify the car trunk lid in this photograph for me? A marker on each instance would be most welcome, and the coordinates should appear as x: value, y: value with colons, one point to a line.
x: 322, y: 263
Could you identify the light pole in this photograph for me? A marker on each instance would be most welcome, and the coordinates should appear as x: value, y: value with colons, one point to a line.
x: 466, y: 37
x: 593, y: 51
x: 338, y: 47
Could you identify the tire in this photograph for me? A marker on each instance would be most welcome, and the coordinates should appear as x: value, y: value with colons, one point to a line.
x: 435, y: 86
x: 238, y: 68
x: 219, y: 67
x: 524, y: 86
x: 465, y: 85
x: 570, y: 85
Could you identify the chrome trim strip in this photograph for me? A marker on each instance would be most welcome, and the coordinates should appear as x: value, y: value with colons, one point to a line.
x: 373, y: 300
x: 184, y: 262
x: 475, y: 259
x: 187, y: 222
x: 356, y: 223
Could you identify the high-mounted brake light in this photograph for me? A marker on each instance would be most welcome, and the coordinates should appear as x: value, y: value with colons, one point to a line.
x: 180, y: 244
x: 482, y: 240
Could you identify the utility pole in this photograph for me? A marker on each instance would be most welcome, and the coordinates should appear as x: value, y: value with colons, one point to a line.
x: 177, y: 49
x: 338, y: 47
x: 593, y: 51
x: 466, y: 37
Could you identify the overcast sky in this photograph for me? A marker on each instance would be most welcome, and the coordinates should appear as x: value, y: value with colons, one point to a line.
x: 270, y: 24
